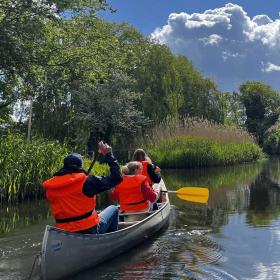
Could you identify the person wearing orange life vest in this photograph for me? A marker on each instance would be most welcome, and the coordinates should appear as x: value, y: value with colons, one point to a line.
x: 134, y: 192
x: 71, y: 194
x: 149, y: 169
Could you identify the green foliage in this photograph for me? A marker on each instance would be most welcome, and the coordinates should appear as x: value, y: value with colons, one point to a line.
x: 72, y: 66
x: 77, y: 69
x: 111, y: 107
x: 204, y: 100
x: 271, y: 143
x: 25, y: 165
x: 98, y: 169
x: 79, y: 5
x: 185, y: 152
x: 158, y: 79
x: 234, y: 109
x: 262, y: 106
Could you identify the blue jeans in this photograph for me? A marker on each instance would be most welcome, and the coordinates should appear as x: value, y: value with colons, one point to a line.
x: 108, y: 221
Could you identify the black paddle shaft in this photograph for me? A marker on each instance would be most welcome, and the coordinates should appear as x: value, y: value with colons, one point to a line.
x: 96, y: 156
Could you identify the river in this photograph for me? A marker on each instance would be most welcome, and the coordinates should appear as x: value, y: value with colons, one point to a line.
x: 235, y: 236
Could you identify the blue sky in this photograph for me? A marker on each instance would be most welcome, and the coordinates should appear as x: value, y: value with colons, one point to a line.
x: 229, y: 42
x: 146, y: 15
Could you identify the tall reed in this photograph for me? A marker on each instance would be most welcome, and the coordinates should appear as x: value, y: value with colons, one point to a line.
x: 24, y: 165
x: 198, y: 128
x: 194, y: 142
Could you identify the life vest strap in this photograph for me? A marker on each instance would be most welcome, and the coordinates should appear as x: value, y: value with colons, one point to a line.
x: 135, y: 203
x: 74, y: 219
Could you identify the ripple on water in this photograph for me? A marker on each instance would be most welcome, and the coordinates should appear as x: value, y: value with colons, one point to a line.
x: 17, y: 254
x: 175, y: 254
x: 209, y: 273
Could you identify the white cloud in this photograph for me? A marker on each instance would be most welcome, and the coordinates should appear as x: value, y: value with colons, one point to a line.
x: 226, y: 44
x: 270, y: 67
x: 212, y: 40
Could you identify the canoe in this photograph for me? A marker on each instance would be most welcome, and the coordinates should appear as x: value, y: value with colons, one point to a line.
x: 66, y: 253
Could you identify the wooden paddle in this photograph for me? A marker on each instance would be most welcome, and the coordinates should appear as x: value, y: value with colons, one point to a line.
x: 193, y: 194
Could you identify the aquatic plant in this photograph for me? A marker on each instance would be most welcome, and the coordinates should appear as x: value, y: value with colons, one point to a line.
x: 25, y: 165
x: 199, y: 143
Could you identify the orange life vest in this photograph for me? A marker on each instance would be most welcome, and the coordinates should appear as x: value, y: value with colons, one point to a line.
x: 145, y: 164
x: 130, y: 196
x: 72, y: 210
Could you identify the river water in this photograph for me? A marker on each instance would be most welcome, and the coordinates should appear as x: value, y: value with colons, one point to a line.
x: 235, y: 236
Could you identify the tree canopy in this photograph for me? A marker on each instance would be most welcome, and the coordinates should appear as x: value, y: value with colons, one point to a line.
x: 262, y: 105
x: 67, y: 60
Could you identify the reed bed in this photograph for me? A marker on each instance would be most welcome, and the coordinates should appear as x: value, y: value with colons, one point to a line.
x: 24, y: 165
x: 200, y: 143
x: 98, y: 168
x: 199, y: 128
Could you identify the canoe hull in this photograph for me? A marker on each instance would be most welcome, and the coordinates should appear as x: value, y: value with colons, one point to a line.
x: 65, y: 253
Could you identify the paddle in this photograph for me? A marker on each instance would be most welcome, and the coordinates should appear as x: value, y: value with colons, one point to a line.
x: 96, y: 156
x: 193, y: 194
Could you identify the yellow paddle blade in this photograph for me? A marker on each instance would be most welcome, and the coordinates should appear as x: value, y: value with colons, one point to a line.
x: 193, y: 194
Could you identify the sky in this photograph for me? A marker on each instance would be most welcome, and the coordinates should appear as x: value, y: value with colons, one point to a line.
x: 228, y: 42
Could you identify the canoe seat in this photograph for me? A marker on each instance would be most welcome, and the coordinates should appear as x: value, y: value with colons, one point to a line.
x: 147, y: 213
x: 134, y: 216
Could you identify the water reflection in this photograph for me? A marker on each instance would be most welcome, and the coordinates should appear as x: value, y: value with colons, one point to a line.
x: 235, y: 236
x: 15, y: 216
x: 264, y: 201
x: 213, y: 177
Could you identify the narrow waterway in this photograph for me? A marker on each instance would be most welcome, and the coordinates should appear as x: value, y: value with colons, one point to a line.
x: 235, y: 236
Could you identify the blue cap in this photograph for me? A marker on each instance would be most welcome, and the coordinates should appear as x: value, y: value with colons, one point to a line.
x: 73, y: 160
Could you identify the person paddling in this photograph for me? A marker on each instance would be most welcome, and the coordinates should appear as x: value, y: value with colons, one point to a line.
x: 149, y: 170
x: 71, y: 194
x: 134, y: 192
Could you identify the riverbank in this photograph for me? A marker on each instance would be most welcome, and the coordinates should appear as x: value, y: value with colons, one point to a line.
x: 195, y: 142
x: 189, y: 152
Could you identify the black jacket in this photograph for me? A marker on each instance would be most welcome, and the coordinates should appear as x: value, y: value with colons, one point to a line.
x: 96, y: 184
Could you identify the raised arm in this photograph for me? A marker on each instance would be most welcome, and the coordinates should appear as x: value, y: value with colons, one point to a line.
x: 96, y: 184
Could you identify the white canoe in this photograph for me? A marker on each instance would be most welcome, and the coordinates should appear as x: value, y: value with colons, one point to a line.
x: 65, y: 253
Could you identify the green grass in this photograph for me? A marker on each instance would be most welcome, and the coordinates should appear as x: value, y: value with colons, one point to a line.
x: 191, y: 151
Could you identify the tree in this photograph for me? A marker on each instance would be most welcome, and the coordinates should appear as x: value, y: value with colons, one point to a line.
x: 262, y: 105
x: 271, y: 142
x: 111, y: 108
x: 158, y: 79
x: 24, y: 51
x: 234, y: 109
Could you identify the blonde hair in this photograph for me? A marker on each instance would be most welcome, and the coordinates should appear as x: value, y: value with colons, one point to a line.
x: 141, y: 155
x: 131, y: 168
x: 124, y: 170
